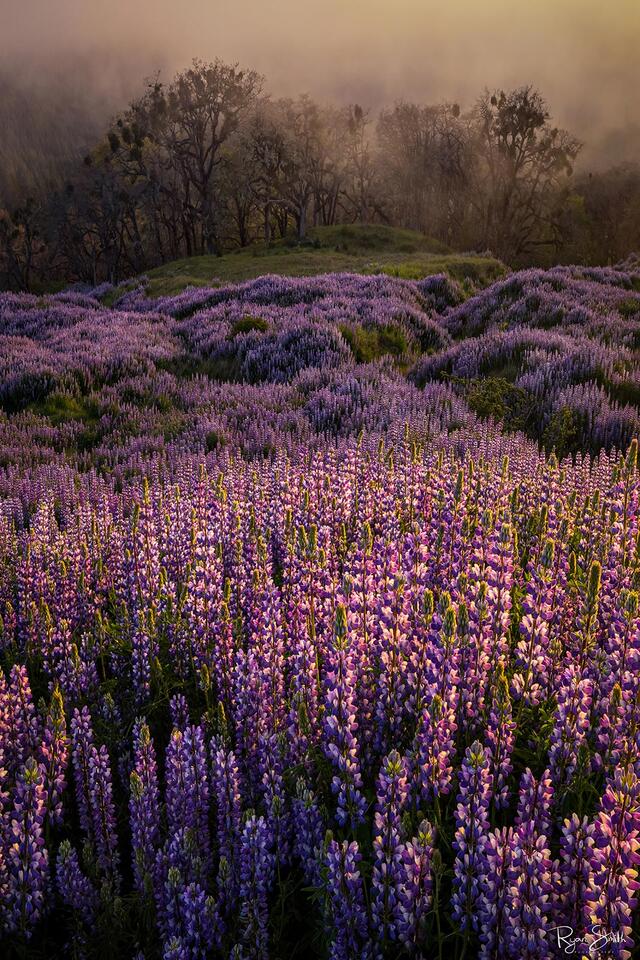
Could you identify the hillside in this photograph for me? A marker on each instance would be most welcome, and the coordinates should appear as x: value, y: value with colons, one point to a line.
x: 551, y: 353
x: 349, y: 249
x: 308, y: 586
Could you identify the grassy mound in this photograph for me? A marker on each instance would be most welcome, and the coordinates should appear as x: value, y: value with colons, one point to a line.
x: 354, y: 248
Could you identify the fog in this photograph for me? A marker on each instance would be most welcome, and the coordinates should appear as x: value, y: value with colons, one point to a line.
x: 582, y: 54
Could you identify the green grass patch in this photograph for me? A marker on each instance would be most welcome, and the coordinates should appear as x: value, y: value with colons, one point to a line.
x: 62, y: 407
x: 246, y: 324
x: 351, y: 249
x: 623, y: 391
x: 508, y: 370
x: 358, y: 238
x: 368, y: 344
x: 629, y: 307
x: 187, y: 366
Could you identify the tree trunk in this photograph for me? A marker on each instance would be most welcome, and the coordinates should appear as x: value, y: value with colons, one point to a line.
x: 302, y: 222
x: 267, y: 224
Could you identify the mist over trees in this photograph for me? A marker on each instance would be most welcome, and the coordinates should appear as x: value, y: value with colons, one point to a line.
x: 209, y: 162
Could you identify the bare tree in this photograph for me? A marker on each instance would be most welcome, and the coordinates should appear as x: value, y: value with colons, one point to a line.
x: 423, y: 153
x: 361, y: 191
x: 265, y: 150
x: 20, y: 244
x: 303, y: 128
x: 191, y: 121
x: 522, y: 162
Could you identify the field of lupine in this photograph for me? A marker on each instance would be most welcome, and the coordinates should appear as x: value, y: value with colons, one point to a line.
x: 303, y: 650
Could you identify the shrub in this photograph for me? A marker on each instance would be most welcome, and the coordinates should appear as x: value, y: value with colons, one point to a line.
x: 247, y: 324
x: 367, y: 344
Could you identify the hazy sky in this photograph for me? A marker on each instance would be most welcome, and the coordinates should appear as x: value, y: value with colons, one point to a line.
x: 583, y: 54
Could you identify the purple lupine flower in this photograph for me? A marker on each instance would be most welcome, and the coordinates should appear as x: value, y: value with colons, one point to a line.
x: 572, y: 722
x: 535, y: 802
x: 178, y: 775
x: 178, y: 864
x: 275, y: 800
x: 144, y: 810
x: 54, y: 753
x: 341, y: 745
x: 144, y: 566
x: 200, y: 918
x: 476, y: 657
x: 174, y: 949
x: 418, y: 664
x: 612, y: 897
x: 388, y: 873
x: 102, y: 808
x: 435, y: 747
x: 27, y: 860
x: 81, y: 747
x: 345, y: 894
x: 575, y: 874
x: 444, y: 654
x: 622, y: 647
x: 21, y: 735
x: 187, y: 793
x: 223, y: 659
x: 356, y: 630
x: 494, y: 865
x: 144, y: 649
x: 227, y: 797
x: 191, y: 637
x: 196, y: 751
x: 530, y: 882
x: 246, y: 695
x: 499, y: 555
x: 392, y: 632
x: 191, y: 919
x: 74, y: 888
x: 415, y: 892
x: 305, y: 573
x: 256, y: 878
x: 309, y: 829
x: 266, y: 642
x: 4, y: 795
x: 531, y: 650
x: 71, y: 664
x: 473, y: 661
x: 179, y: 711
x: 472, y: 825
x: 499, y: 738
x: 612, y: 726
x: 586, y: 637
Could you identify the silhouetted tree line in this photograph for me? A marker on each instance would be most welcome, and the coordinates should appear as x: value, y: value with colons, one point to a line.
x: 209, y: 163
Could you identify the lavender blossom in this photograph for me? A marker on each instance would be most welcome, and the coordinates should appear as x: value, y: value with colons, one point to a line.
x: 144, y: 809
x: 256, y: 877
x: 341, y: 745
x: 345, y: 895
x: 27, y: 864
x: 472, y: 825
x: 74, y: 888
x: 388, y: 873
